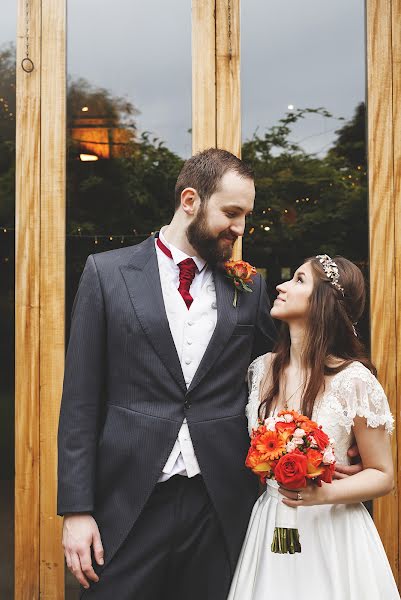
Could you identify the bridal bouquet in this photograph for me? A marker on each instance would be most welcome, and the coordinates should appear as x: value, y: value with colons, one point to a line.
x: 293, y: 450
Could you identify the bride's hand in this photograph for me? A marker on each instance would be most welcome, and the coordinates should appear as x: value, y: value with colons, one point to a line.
x: 309, y: 496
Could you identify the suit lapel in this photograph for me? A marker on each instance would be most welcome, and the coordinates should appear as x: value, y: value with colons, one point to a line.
x: 226, y: 321
x: 141, y: 275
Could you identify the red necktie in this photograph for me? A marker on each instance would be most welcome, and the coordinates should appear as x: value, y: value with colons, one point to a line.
x: 187, y: 273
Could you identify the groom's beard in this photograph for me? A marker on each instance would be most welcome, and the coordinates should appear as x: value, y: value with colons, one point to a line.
x: 212, y: 249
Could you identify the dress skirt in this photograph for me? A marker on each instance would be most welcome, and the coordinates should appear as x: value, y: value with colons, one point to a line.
x: 342, y: 556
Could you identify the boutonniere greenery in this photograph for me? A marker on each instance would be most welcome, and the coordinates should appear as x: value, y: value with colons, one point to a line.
x: 241, y: 273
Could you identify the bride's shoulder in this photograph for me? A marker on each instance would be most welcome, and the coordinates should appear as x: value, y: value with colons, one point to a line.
x: 264, y: 361
x: 353, y: 370
x: 357, y: 379
x: 258, y: 369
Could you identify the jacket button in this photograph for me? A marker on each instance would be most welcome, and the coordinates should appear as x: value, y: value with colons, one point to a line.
x: 187, y: 404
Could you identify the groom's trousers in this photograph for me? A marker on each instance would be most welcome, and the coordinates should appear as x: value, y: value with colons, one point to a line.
x: 175, y: 550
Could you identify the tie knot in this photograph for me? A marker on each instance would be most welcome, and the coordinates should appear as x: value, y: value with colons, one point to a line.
x: 187, y: 268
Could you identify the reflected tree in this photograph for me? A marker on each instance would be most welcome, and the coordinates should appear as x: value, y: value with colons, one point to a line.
x: 308, y: 204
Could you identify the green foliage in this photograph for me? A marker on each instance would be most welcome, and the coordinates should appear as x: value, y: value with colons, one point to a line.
x: 306, y: 204
x: 310, y: 204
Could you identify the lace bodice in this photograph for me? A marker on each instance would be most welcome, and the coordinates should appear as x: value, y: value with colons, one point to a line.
x: 352, y: 392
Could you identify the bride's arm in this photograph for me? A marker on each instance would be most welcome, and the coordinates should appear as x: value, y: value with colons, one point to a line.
x: 376, y: 479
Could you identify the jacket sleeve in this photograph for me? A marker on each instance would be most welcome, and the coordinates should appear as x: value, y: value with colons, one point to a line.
x: 266, y: 333
x: 82, y: 398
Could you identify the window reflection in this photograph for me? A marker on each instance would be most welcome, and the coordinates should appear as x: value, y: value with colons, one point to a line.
x: 304, y: 133
x: 128, y: 127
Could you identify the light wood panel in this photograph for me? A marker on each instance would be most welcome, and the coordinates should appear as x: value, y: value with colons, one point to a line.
x: 27, y: 298
x: 396, y: 55
x: 228, y: 90
x: 203, y: 75
x: 52, y: 288
x: 228, y: 93
x: 382, y: 238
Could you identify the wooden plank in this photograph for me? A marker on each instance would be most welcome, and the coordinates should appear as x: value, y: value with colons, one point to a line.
x: 27, y: 257
x: 52, y: 288
x: 203, y: 75
x: 228, y: 86
x: 396, y: 43
x: 228, y: 92
x: 382, y: 239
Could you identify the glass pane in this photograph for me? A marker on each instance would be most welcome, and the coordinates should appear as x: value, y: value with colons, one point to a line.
x: 304, y: 131
x: 7, y: 239
x: 303, y: 99
x: 129, y: 120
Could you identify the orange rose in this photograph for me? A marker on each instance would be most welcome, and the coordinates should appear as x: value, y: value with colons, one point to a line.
x: 306, y: 424
x: 322, y: 439
x: 290, y: 470
x: 260, y: 467
x: 314, y: 464
x: 327, y: 475
x: 286, y: 429
x: 295, y: 415
x: 240, y: 269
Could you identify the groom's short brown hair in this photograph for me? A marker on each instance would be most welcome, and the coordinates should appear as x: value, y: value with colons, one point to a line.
x: 204, y: 171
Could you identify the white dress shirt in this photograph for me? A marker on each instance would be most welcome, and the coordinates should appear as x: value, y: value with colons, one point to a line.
x: 191, y: 331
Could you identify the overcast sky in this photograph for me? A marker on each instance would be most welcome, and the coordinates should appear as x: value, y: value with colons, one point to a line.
x: 306, y: 53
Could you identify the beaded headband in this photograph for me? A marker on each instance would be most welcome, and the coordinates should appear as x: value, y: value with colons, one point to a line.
x: 331, y: 270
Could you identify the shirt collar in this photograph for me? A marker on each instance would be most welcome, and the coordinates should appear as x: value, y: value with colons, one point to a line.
x: 179, y: 255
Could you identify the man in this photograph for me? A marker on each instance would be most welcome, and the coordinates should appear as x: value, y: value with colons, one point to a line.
x: 152, y: 437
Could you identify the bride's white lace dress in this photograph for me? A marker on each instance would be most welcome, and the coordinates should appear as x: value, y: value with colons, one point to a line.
x: 342, y: 555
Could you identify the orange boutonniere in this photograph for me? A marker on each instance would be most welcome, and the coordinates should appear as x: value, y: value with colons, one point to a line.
x: 241, y: 274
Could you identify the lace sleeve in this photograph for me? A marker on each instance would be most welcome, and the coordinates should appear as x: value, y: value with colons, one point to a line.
x: 255, y: 374
x: 356, y: 392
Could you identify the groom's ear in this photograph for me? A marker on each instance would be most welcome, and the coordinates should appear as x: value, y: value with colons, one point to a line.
x: 190, y: 201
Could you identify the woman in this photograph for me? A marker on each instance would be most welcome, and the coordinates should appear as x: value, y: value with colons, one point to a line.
x: 320, y: 369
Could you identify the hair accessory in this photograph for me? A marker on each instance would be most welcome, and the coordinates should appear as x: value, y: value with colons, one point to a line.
x: 331, y: 270
x: 354, y: 330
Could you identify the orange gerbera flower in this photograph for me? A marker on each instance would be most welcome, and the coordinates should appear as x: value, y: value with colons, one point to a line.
x: 271, y: 445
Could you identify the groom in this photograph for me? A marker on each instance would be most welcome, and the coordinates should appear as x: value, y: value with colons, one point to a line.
x: 152, y: 436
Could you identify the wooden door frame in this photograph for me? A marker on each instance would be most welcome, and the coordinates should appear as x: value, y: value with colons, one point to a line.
x: 39, y: 297
x: 40, y: 245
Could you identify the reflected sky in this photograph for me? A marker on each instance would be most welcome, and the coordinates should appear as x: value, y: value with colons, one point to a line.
x: 307, y: 54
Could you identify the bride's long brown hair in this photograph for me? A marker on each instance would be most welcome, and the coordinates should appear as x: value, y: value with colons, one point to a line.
x: 329, y: 333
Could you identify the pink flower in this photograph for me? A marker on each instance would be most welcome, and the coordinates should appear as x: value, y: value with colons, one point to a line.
x: 270, y: 423
x: 299, y: 433
x: 312, y: 441
x: 290, y: 447
x: 328, y: 456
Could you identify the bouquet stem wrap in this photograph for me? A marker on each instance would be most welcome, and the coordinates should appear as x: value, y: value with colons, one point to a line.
x: 286, y: 535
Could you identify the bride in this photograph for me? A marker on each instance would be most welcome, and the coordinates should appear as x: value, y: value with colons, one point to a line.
x: 320, y: 369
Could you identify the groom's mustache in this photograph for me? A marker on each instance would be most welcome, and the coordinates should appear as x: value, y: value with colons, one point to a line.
x: 228, y: 235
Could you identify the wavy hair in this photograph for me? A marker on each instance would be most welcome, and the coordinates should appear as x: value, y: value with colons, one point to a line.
x: 330, y: 332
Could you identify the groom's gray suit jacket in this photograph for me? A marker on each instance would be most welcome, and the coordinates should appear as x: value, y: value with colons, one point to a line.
x: 124, y: 396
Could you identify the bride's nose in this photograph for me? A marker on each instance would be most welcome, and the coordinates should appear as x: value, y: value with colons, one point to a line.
x: 280, y: 287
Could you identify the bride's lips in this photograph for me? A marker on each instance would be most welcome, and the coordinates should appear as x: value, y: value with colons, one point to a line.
x: 279, y: 299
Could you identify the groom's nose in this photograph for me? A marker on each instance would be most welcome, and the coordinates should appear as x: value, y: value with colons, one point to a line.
x: 238, y: 227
